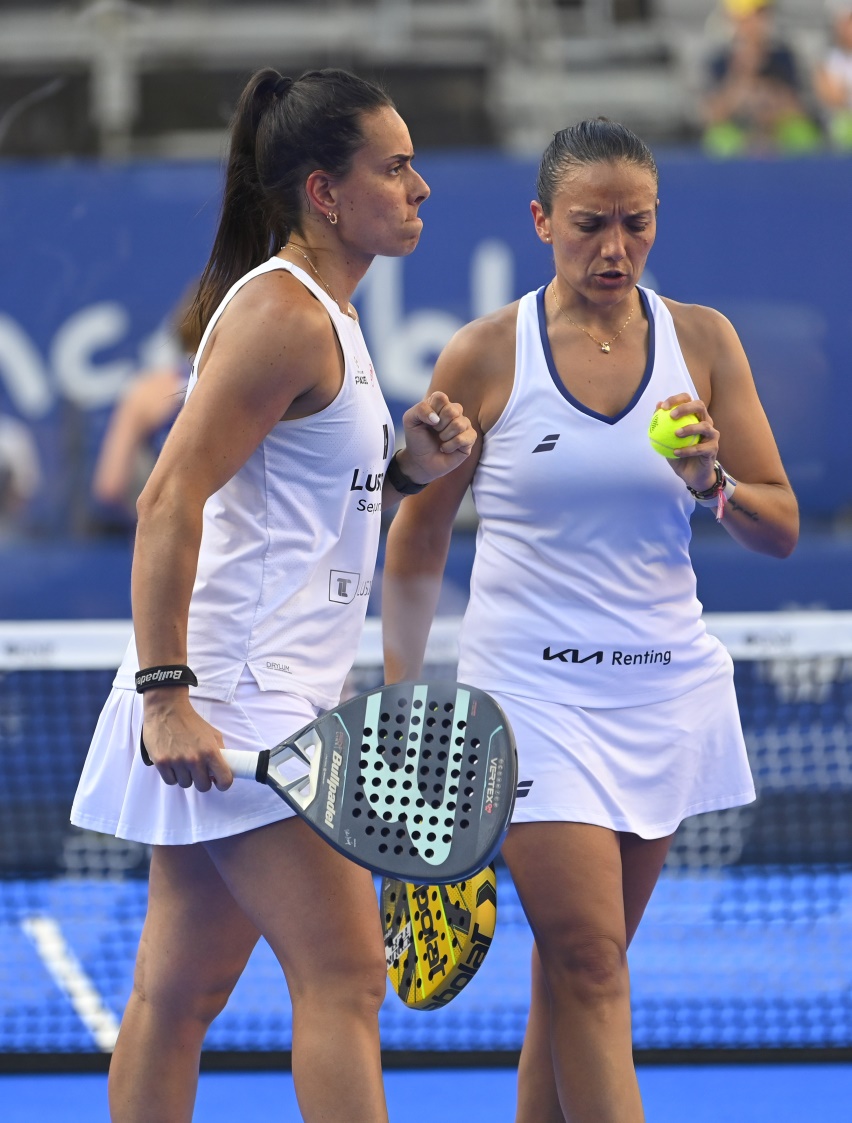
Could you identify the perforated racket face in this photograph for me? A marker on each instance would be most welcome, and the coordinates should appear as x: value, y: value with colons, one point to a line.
x: 436, y: 936
x: 415, y: 781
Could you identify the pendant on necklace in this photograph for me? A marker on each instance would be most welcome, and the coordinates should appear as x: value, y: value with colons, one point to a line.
x: 605, y: 348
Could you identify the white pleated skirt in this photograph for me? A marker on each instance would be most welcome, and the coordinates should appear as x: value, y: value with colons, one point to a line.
x: 640, y: 769
x: 119, y: 794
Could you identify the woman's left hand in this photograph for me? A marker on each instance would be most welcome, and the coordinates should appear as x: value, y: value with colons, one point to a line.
x: 438, y: 437
x: 695, y: 464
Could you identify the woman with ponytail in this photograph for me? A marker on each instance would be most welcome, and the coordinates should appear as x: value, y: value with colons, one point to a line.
x: 247, y: 528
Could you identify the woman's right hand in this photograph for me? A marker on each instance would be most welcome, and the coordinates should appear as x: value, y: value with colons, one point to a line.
x: 184, y: 748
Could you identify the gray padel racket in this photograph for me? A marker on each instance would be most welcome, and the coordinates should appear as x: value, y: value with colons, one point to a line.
x: 416, y: 781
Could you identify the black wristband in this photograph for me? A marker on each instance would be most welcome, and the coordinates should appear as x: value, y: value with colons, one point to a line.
x: 172, y: 674
x: 399, y: 481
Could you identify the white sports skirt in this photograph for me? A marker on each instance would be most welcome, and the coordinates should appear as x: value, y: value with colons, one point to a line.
x: 119, y: 794
x: 640, y: 769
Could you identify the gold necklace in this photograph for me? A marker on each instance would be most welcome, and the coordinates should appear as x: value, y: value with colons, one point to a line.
x: 322, y: 280
x: 605, y: 347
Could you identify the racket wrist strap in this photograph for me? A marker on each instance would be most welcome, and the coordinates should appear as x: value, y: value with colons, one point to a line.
x: 169, y: 674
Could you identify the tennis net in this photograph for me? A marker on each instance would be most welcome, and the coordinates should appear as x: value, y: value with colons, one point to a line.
x: 745, y: 945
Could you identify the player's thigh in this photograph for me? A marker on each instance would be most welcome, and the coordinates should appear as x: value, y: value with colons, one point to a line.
x: 569, y: 879
x: 317, y: 910
x: 196, y: 938
x: 642, y: 861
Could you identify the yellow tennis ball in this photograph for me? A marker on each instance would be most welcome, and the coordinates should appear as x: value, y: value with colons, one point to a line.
x: 662, y: 432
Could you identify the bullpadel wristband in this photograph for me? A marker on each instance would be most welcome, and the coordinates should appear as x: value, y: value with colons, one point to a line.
x: 173, y: 674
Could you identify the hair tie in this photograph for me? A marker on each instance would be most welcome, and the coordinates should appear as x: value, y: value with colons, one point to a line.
x: 282, y: 87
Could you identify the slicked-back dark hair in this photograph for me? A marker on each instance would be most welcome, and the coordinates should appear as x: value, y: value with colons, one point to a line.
x: 281, y: 131
x: 589, y: 142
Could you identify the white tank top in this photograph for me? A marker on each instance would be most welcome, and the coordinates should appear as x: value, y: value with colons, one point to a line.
x: 289, y: 543
x: 582, y: 590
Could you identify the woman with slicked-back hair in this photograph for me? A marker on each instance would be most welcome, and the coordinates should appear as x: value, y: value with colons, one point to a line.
x: 245, y: 520
x: 583, y: 619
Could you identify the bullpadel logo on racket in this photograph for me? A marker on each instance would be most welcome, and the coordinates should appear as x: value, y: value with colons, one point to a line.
x: 334, y: 778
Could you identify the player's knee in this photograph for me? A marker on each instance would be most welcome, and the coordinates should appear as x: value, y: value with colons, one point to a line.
x: 371, y: 990
x: 368, y: 978
x: 196, y: 995
x: 358, y: 982
x: 199, y: 1004
x: 592, y: 968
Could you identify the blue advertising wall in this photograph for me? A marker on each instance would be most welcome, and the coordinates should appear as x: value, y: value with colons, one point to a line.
x: 95, y: 257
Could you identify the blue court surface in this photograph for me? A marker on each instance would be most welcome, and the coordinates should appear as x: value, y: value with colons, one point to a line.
x: 815, y: 1093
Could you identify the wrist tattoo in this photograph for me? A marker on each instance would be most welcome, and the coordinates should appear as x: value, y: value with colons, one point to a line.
x: 744, y: 510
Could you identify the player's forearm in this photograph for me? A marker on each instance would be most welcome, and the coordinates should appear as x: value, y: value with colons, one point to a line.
x: 165, y: 560
x: 763, y: 518
x: 408, y: 608
x: 411, y: 587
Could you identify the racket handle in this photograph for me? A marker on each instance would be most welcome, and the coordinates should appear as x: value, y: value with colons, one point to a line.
x: 246, y: 765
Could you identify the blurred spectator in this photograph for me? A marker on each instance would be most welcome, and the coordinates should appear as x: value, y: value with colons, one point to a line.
x: 141, y: 421
x: 833, y: 79
x: 20, y: 473
x: 754, y: 101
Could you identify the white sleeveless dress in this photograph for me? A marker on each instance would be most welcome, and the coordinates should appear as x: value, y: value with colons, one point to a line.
x: 284, y: 573
x: 583, y: 616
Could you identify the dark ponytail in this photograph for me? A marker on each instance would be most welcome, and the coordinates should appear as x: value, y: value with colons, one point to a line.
x: 281, y: 131
x: 589, y: 142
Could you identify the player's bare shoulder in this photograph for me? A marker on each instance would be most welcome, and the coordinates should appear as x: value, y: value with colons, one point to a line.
x: 712, y: 351
x: 477, y: 367
x: 268, y: 306
x: 707, y: 339
x: 699, y: 326
x: 498, y: 326
x: 483, y: 352
x: 274, y: 328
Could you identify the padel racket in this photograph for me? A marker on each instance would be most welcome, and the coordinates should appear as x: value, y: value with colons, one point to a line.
x: 415, y: 781
x: 436, y: 936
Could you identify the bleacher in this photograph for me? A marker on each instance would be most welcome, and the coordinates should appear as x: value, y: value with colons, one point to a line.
x: 157, y: 78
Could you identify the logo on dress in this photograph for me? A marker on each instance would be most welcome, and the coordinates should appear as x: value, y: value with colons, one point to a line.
x: 343, y: 586
x: 615, y: 658
x: 274, y: 665
x: 362, y: 379
x: 548, y: 444
x: 570, y: 655
x: 369, y: 481
x: 523, y: 788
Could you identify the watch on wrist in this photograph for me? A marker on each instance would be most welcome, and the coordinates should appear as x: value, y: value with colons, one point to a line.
x: 718, y: 494
x: 714, y: 489
x: 399, y: 481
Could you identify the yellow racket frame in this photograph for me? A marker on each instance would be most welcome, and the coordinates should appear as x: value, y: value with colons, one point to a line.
x: 436, y: 936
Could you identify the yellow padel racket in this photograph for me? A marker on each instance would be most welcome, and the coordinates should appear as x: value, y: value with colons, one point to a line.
x: 436, y: 936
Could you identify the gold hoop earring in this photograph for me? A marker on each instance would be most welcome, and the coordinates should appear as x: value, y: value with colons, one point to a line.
x: 332, y: 218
